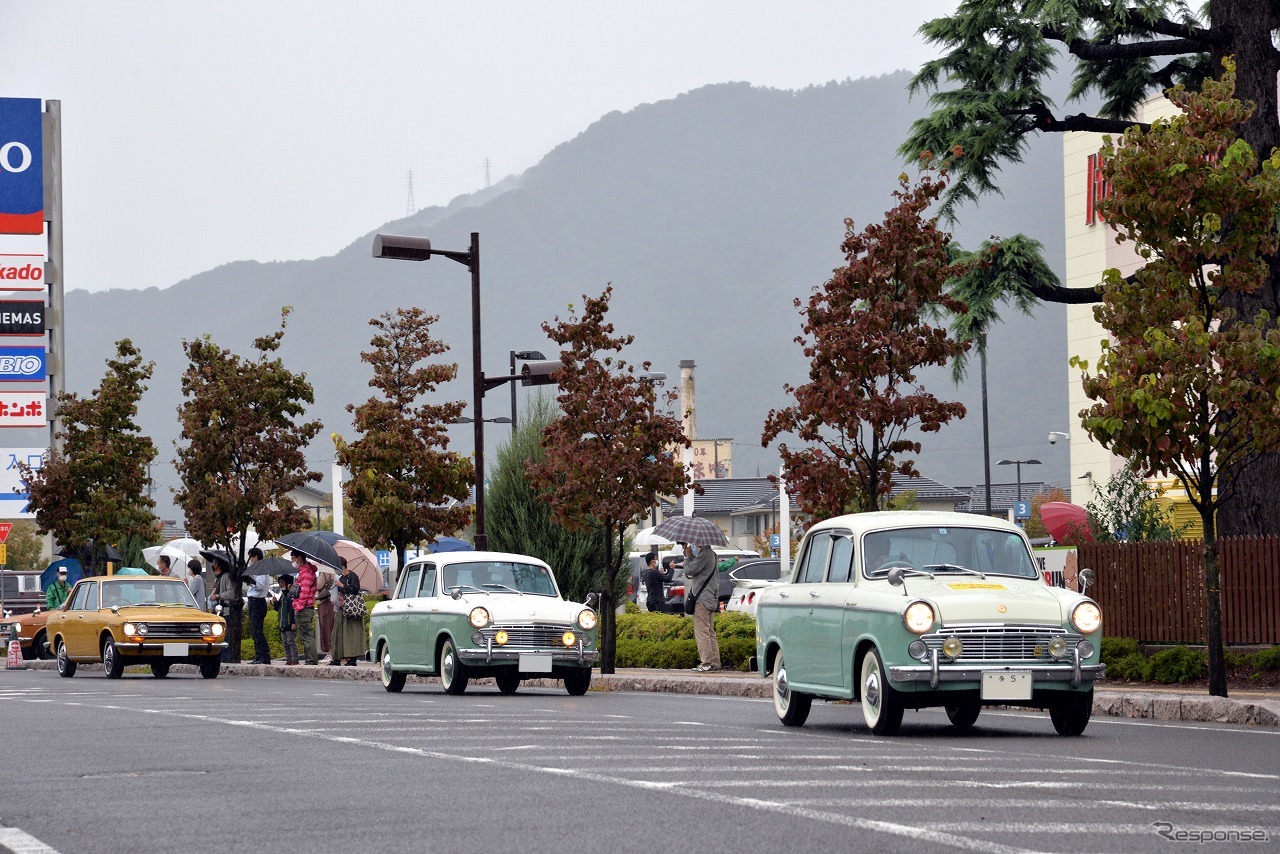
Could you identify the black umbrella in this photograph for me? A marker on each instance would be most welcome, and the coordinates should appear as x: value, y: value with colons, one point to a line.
x: 91, y: 552
x: 221, y: 556
x: 330, y: 537
x: 691, y: 529
x: 272, y: 566
x: 311, y: 545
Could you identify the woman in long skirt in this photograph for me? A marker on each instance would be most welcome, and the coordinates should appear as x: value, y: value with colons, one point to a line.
x: 349, y: 639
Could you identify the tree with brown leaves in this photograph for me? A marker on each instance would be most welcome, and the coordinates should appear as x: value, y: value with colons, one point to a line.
x: 866, y: 336
x: 611, y: 451
x: 405, y: 486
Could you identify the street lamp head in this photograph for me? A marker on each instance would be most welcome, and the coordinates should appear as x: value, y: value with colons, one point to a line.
x: 401, y: 247
x: 525, y: 355
x: 653, y: 377
x: 1017, y: 462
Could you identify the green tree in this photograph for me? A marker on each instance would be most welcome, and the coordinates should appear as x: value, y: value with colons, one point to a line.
x: 95, y: 490
x: 610, y: 451
x: 25, y: 548
x: 245, y: 443
x: 988, y: 93
x: 405, y: 486
x: 1186, y: 384
x: 519, y: 515
x: 867, y: 338
x: 1127, y: 509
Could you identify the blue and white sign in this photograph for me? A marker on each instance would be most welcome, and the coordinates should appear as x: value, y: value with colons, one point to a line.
x: 13, y: 490
x: 384, y: 558
x: 21, y: 364
x: 775, y: 541
x: 21, y: 166
x: 1022, y: 509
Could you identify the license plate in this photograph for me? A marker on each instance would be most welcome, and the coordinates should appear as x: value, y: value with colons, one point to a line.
x: 535, y: 662
x: 1006, y: 685
x: 175, y: 649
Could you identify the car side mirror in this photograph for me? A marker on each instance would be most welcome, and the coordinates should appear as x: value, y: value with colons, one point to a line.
x: 896, y: 579
x: 455, y: 592
x: 591, y: 599
x: 1086, y: 579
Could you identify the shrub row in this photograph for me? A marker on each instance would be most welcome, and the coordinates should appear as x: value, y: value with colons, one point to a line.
x: 665, y: 641
x: 1125, y: 660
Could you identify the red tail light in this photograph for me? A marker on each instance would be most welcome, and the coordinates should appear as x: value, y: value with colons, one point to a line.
x: 751, y: 597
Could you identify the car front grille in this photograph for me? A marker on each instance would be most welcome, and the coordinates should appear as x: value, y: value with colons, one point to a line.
x: 173, y: 630
x: 529, y: 637
x: 1001, y: 643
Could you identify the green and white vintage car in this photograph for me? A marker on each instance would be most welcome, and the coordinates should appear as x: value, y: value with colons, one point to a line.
x: 907, y: 610
x: 460, y: 615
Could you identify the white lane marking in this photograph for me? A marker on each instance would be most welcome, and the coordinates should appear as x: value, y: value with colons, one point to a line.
x: 913, y: 833
x: 23, y: 843
x: 871, y: 782
x: 949, y: 803
x: 1073, y: 828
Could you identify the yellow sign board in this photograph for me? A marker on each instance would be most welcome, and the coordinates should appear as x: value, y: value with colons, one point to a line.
x: 4, y: 553
x: 973, y: 585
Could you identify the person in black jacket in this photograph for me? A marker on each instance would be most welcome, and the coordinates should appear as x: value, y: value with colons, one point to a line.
x: 654, y: 579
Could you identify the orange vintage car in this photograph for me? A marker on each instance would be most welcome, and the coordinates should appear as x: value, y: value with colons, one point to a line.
x: 30, y: 631
x: 134, y: 619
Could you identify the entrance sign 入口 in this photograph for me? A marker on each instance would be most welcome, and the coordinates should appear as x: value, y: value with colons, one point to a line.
x: 13, y: 489
x: 21, y: 166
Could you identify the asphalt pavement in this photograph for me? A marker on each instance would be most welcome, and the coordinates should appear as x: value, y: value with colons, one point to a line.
x: 1258, y: 708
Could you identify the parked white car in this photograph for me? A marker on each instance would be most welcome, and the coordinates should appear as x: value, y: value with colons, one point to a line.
x: 749, y: 579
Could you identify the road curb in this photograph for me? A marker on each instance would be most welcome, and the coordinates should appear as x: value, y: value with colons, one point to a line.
x: 1117, y: 702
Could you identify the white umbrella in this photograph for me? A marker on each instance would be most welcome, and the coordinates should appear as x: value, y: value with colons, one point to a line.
x: 178, y: 552
x: 646, y: 537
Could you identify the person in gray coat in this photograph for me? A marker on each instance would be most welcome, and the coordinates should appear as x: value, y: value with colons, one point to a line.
x: 700, y: 572
x: 196, y: 583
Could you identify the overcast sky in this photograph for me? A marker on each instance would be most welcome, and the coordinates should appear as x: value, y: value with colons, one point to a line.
x: 200, y: 134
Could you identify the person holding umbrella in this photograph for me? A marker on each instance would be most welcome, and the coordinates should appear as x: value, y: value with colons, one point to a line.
x: 700, y: 568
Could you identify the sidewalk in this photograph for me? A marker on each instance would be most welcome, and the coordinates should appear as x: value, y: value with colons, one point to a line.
x: 1258, y: 708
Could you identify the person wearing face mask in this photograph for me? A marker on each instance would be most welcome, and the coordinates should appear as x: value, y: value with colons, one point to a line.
x: 700, y: 570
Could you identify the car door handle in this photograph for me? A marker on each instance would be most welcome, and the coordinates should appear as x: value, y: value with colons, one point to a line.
x: 814, y: 593
x: 782, y: 594
x: 409, y: 605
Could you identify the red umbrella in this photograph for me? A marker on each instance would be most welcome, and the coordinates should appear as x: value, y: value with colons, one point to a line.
x: 1065, y: 521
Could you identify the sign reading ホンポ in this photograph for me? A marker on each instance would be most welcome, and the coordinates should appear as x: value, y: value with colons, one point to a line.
x: 21, y: 166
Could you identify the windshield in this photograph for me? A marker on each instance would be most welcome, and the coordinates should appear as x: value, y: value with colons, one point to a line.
x: 942, y: 551
x: 126, y: 594
x: 499, y: 577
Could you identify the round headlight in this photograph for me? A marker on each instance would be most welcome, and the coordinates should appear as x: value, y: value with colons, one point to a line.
x: 951, y: 647
x: 206, y: 629
x: 918, y: 617
x: 130, y: 629
x: 1085, y: 649
x: 479, y: 617
x: 1058, y: 646
x: 501, y: 637
x: 142, y: 628
x: 587, y: 619
x: 218, y: 629
x: 568, y: 638
x: 918, y: 650
x: 1086, y: 617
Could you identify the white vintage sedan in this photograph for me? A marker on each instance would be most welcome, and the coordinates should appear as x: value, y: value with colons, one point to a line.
x: 460, y: 615
x: 906, y: 610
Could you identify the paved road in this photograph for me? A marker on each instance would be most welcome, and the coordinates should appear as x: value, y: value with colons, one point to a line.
x: 275, y: 764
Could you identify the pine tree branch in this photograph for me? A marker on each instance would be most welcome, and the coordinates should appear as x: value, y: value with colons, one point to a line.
x: 1045, y: 120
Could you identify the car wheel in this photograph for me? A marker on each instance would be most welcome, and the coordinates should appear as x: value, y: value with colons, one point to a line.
x: 66, y: 667
x: 210, y: 666
x: 508, y: 679
x: 577, y: 681
x: 792, y: 706
x: 391, y: 680
x: 112, y: 661
x: 37, y: 647
x: 453, y: 673
x: 963, y: 714
x: 1071, y: 715
x: 881, y: 706
x: 160, y: 669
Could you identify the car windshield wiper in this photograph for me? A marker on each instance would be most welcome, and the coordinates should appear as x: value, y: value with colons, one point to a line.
x: 458, y: 589
x: 949, y: 567
x: 502, y: 587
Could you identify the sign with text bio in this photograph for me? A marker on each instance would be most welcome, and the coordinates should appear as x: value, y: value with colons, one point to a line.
x: 22, y: 364
x: 13, y: 489
x: 21, y: 166
x: 22, y: 409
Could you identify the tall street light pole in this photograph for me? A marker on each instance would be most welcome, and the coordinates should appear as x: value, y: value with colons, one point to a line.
x: 405, y: 248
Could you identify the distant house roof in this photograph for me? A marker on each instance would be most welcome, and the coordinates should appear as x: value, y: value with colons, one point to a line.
x: 740, y: 495
x: 1003, y: 496
x: 171, y: 530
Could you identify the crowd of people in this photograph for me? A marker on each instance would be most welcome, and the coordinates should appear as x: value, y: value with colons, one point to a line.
x: 306, y: 601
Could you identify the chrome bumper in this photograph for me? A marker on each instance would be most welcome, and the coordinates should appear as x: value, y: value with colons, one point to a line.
x: 153, y: 647
x: 1068, y: 671
x: 565, y: 655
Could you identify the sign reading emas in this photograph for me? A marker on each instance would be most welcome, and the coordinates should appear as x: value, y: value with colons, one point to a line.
x: 21, y: 272
x: 21, y: 317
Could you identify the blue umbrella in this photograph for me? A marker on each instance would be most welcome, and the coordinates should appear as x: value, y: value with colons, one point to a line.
x: 131, y: 570
x: 74, y: 572
x: 450, y: 544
